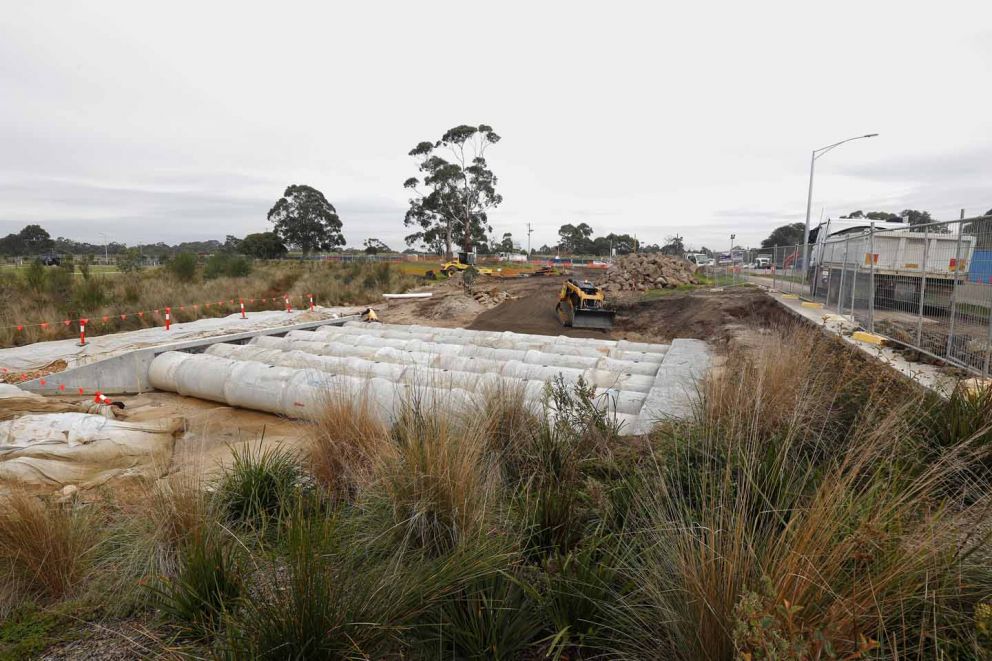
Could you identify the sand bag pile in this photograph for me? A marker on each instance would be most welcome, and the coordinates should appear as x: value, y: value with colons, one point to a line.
x: 640, y: 272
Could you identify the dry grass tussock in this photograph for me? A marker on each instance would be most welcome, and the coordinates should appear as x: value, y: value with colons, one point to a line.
x: 430, y: 469
x: 441, y: 484
x: 347, y: 444
x: 784, y: 525
x: 47, y: 549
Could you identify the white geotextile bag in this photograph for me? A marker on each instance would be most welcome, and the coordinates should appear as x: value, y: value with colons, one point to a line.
x: 83, y: 449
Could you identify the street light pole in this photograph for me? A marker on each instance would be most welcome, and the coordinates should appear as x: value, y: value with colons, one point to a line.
x: 817, y: 153
x: 106, y: 254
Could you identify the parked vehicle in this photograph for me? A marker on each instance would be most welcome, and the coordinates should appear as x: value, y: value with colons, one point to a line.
x: 900, y: 260
x: 699, y: 259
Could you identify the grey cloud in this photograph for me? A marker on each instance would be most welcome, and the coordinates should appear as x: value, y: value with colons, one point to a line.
x: 973, y: 163
x: 171, y: 207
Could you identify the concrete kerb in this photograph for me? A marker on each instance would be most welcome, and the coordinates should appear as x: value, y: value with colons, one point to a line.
x: 834, y: 325
x: 127, y: 373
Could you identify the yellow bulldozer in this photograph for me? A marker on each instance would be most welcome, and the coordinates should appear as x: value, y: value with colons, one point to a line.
x: 580, y: 305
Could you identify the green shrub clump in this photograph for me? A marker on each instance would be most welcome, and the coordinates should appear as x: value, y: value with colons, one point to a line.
x: 183, y: 266
x: 231, y: 266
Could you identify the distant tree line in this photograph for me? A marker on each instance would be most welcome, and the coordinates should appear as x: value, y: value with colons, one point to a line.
x: 578, y: 239
x: 792, y: 234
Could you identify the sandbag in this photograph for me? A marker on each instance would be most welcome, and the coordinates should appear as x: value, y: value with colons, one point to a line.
x: 57, y: 449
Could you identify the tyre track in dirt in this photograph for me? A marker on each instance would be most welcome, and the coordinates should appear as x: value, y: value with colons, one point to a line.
x: 533, y: 311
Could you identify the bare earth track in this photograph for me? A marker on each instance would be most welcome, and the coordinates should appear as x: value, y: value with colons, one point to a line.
x: 712, y: 315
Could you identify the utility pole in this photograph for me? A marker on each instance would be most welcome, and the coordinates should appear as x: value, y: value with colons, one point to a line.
x: 733, y: 269
x: 529, y: 232
x: 817, y: 153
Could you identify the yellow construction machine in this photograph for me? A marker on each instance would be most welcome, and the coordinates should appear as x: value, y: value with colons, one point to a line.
x: 462, y: 262
x: 580, y: 305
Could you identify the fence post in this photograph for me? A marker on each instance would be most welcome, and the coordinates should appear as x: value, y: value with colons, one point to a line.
x: 871, y: 279
x: 954, y: 293
x: 774, y: 265
x: 854, y: 287
x: 923, y: 285
x: 843, y: 272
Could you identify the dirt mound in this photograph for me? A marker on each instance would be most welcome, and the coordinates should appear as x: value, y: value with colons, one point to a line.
x: 637, y: 273
x: 716, y: 317
x: 453, y: 307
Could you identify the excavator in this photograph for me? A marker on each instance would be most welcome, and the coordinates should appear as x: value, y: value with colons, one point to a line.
x: 580, y: 305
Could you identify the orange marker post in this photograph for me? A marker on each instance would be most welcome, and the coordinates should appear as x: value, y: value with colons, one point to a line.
x: 243, y: 316
x: 311, y: 302
x: 288, y: 308
x: 82, y: 332
x: 168, y: 318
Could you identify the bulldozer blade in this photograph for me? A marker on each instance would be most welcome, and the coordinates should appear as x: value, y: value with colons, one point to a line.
x: 602, y: 319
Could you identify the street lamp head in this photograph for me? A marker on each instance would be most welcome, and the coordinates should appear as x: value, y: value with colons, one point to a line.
x: 870, y: 135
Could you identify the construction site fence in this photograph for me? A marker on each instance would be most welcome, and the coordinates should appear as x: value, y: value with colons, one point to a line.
x: 927, y: 287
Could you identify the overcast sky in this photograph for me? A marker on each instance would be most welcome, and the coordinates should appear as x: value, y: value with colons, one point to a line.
x: 186, y: 120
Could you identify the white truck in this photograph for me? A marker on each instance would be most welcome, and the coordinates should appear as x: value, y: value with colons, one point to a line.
x: 901, y: 260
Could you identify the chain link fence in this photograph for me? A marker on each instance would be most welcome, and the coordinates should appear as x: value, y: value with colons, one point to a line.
x: 926, y: 287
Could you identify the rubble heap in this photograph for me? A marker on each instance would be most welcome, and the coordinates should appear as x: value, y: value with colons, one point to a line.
x: 640, y: 272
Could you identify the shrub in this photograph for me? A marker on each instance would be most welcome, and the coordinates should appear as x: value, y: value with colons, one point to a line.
x: 823, y: 527
x: 90, y: 294
x: 440, y: 485
x: 580, y: 592
x: 383, y: 274
x: 509, y: 427
x: 46, y: 549
x: 254, y: 490
x: 148, y: 537
x: 59, y: 283
x: 224, y: 264
x: 34, y: 275
x: 555, y: 506
x: 132, y: 291
x: 348, y: 443
x: 85, y: 265
x: 129, y: 261
x: 207, y: 586
x: 334, y: 599
x: 496, y: 616
x: 183, y: 267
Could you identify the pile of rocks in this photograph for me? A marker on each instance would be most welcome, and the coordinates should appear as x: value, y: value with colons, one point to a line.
x: 490, y: 298
x: 640, y: 272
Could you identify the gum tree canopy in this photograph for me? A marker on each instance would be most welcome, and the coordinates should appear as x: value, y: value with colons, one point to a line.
x: 455, y: 190
x: 304, y: 219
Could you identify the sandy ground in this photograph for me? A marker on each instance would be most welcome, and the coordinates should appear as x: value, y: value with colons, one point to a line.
x: 212, y: 430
